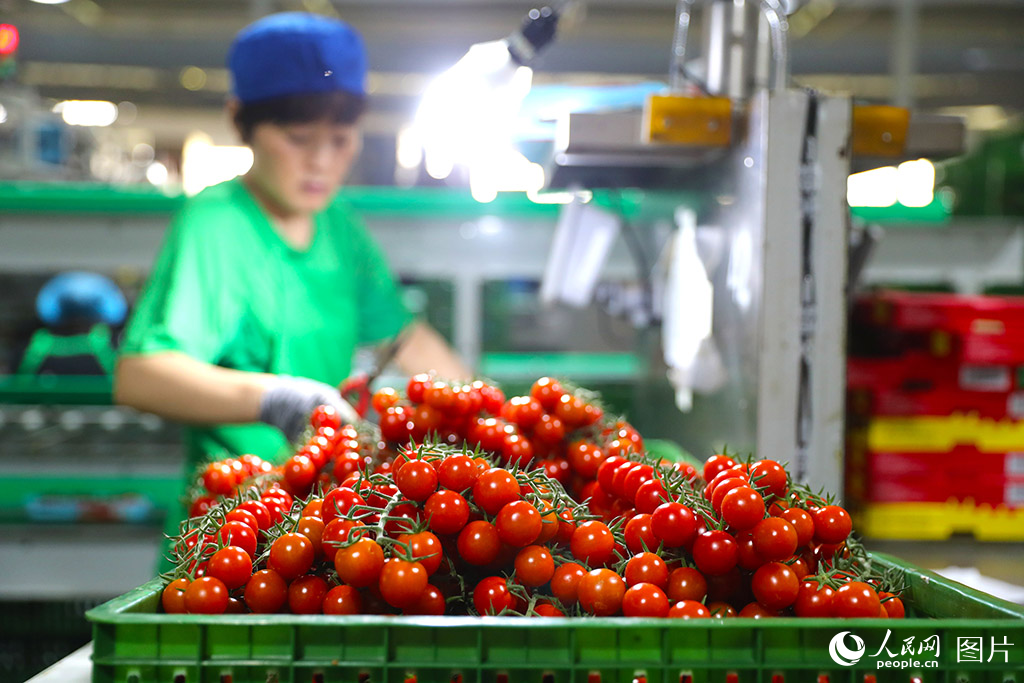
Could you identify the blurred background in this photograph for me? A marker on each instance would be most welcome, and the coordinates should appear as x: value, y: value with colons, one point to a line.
x: 111, y: 114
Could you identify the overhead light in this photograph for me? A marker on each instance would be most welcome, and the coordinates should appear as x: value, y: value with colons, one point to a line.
x: 87, y: 112
x: 50, y: 2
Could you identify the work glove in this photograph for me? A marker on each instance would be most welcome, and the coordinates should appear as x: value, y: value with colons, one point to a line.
x: 288, y: 401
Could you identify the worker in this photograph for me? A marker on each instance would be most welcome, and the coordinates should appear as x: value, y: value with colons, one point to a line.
x: 267, y: 283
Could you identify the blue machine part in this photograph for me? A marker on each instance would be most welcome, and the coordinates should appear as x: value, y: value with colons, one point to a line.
x: 80, y: 295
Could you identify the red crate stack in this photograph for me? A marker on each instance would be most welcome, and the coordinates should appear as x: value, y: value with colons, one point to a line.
x: 933, y: 356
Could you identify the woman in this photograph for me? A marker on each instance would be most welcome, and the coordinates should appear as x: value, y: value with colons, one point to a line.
x: 267, y: 283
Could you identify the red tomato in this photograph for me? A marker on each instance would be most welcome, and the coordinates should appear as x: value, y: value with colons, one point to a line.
x: 715, y: 464
x: 342, y: 600
x: 291, y: 556
x: 646, y: 568
x: 715, y: 552
x: 592, y: 543
x: 855, y: 599
x: 585, y: 458
x: 426, y: 549
x: 756, y: 610
x: 384, y: 398
x: 417, y: 386
x: 337, y: 503
x: 775, y: 585
x: 206, y: 595
x: 689, y: 609
x: 325, y: 416
x: 430, y: 603
x: 313, y: 529
x: 565, y: 582
x: 802, y: 523
x: 232, y: 565
x: 359, y: 564
x: 219, y: 479
x: 548, y: 392
x: 334, y: 536
x: 549, y: 429
x: 446, y: 512
x: 600, y: 592
x: 492, y: 596
x: 266, y: 592
x: 518, y: 523
x: 892, y: 605
x: 416, y: 480
x: 742, y: 508
x: 645, y: 600
x: 457, y: 472
x: 686, y: 583
x: 650, y: 496
x: 775, y: 539
x: 813, y: 600
x: 639, y: 534
x: 673, y: 524
x: 534, y: 566
x: 479, y: 543
x: 832, y: 524
x: 306, y: 595
x: 494, y: 489
x: 239, y: 534
x: 394, y: 424
x: 769, y: 477
x: 172, y: 599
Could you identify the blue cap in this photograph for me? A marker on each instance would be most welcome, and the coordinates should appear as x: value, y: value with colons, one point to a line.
x: 295, y: 53
x: 83, y: 296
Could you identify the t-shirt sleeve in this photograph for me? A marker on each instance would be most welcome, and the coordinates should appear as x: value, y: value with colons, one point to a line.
x: 186, y: 305
x: 382, y: 314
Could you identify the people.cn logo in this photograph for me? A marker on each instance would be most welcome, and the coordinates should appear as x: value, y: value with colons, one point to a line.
x: 842, y: 655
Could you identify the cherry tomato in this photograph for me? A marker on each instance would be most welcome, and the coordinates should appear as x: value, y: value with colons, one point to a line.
x: 673, y: 524
x: 802, y: 523
x: 232, y: 565
x: 592, y: 543
x: 417, y: 386
x: 775, y: 585
x: 384, y: 398
x: 494, y: 489
x: 457, y: 472
x: 291, y: 556
x: 306, y: 595
x: 549, y: 429
x: 689, y: 609
x: 634, y: 479
x: 402, y: 582
x: 394, y: 424
x: 756, y: 610
x: 645, y: 600
x: 548, y: 392
x: 266, y: 592
x: 219, y: 479
x: 325, y: 416
x: 446, y: 512
x: 650, y: 496
x: 518, y: 523
x: 775, y: 539
x: 479, y: 543
x: 416, y: 480
x: 239, y: 534
x: 492, y: 596
x: 600, y: 592
x: 686, y: 583
x: 337, y: 503
x: 430, y: 603
x: 244, y: 516
x: 742, y: 508
x: 565, y: 582
x: 546, y: 609
x: 639, y: 534
x: 892, y: 605
x: 335, y: 534
x: 172, y: 599
x: 585, y: 458
x: 534, y: 566
x: 426, y: 549
x: 721, y: 610
x: 258, y: 510
x: 813, y: 600
x: 342, y: 600
x: 715, y: 464
x: 313, y: 529
x: 769, y: 477
x: 206, y: 595
x: 832, y: 524
x: 715, y: 552
x: 646, y: 568
x: 359, y: 564
x: 855, y: 599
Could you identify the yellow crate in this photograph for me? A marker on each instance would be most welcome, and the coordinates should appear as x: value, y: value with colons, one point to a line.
x: 939, y: 521
x: 941, y: 434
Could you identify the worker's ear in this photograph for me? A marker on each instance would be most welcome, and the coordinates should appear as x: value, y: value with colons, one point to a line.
x: 231, y: 107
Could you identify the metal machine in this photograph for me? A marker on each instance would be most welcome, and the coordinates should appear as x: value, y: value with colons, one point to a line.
x: 768, y: 246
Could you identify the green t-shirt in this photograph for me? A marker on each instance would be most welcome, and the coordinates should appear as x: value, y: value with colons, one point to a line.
x: 228, y: 290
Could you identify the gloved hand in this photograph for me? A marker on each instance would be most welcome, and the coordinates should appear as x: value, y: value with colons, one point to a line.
x: 288, y: 401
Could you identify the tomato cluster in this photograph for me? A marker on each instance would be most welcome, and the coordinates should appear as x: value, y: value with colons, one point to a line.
x: 470, y: 503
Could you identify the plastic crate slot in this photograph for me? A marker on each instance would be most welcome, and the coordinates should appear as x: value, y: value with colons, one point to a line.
x: 732, y: 677
x: 225, y: 678
x: 548, y: 677
x: 132, y: 678
x: 363, y: 677
x: 180, y: 678
x: 640, y: 679
x: 594, y: 677
x: 318, y: 677
x: 685, y: 678
x: 456, y: 678
x: 778, y: 678
x: 501, y: 678
x: 823, y: 678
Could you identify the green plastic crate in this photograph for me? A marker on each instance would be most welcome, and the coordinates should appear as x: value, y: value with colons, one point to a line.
x: 133, y: 644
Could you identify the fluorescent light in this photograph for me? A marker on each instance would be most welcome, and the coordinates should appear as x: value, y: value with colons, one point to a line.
x: 876, y: 187
x: 50, y: 2
x: 916, y: 183
x: 204, y: 164
x: 156, y: 174
x: 3, y: 114
x: 87, y: 112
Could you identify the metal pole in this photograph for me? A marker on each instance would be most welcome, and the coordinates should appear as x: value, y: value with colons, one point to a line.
x: 904, y: 52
